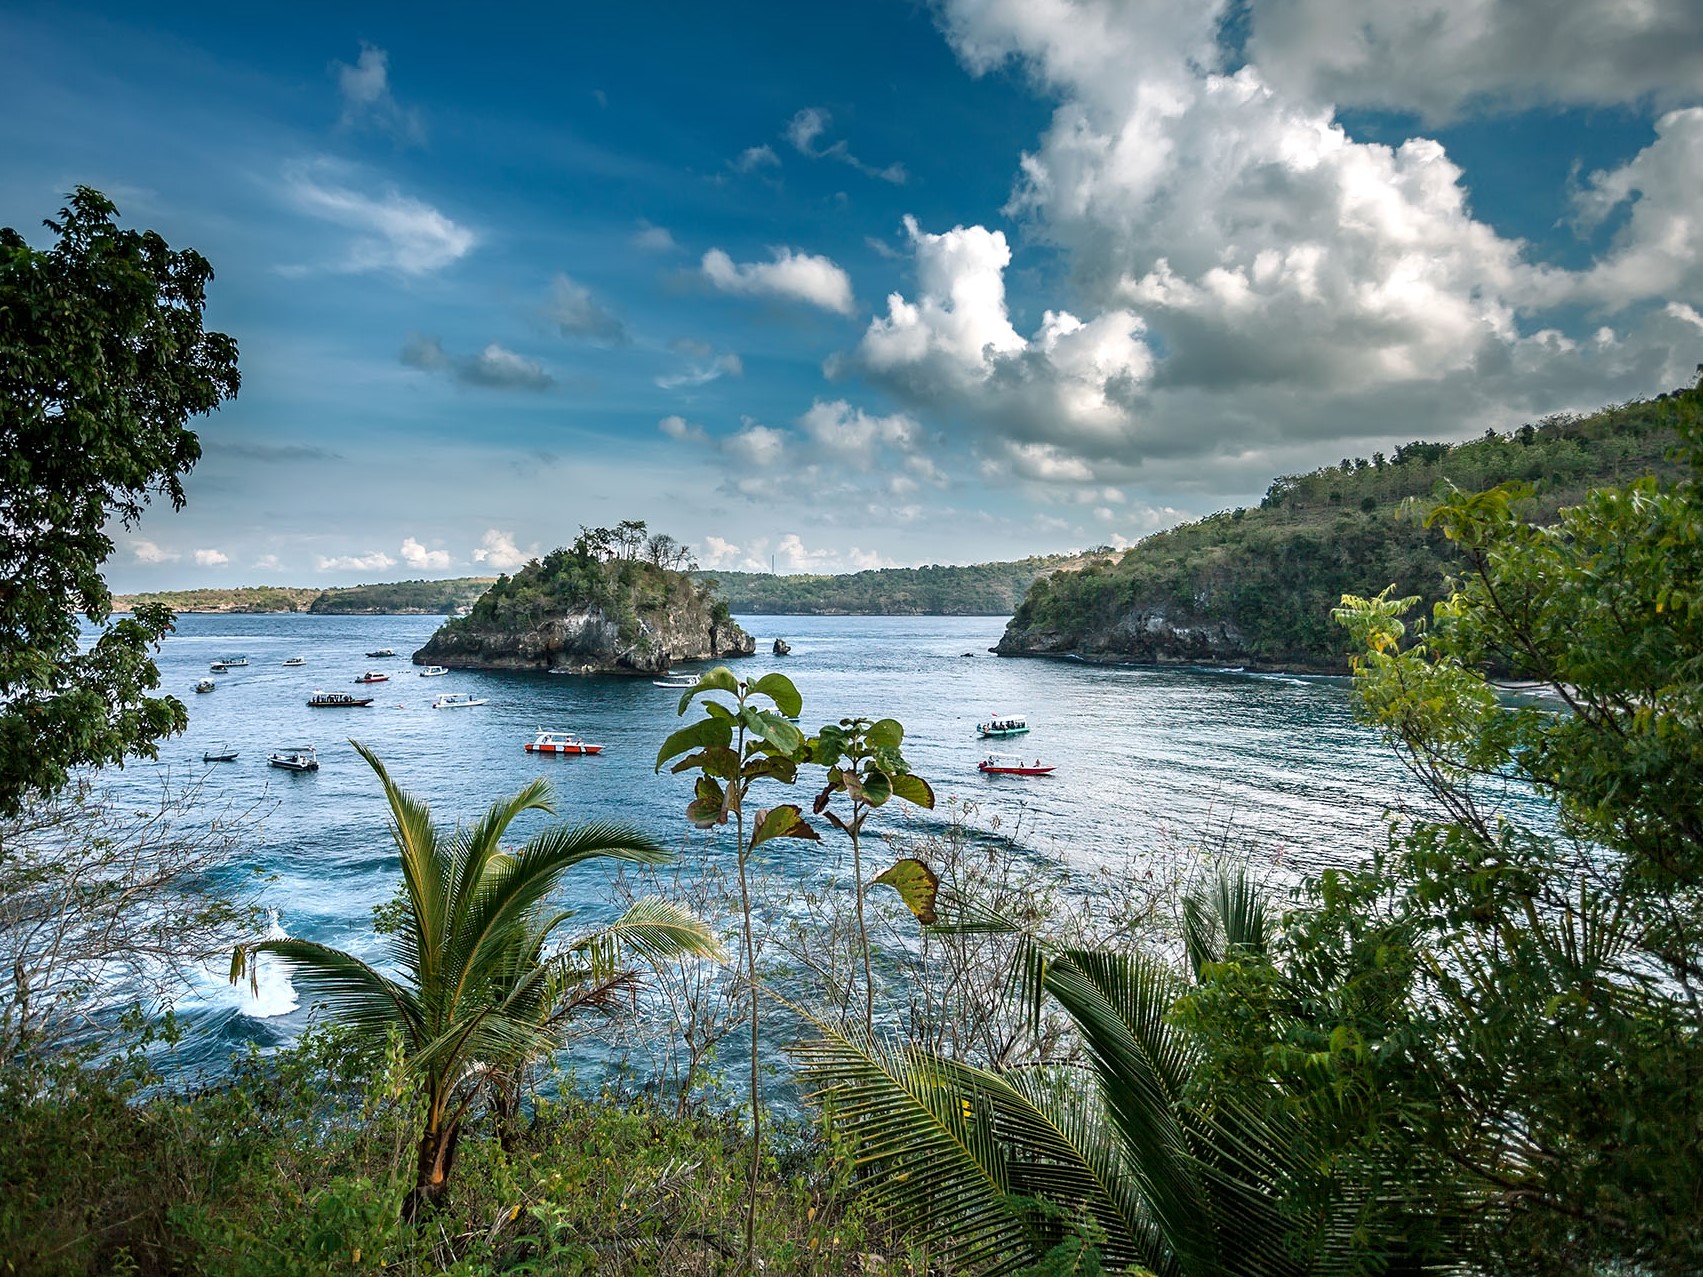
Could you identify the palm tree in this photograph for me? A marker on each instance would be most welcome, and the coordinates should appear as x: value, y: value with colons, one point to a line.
x: 1002, y: 1167
x: 476, y: 997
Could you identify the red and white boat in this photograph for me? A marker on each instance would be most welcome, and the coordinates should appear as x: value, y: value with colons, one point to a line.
x: 1012, y: 765
x: 373, y: 676
x: 560, y: 743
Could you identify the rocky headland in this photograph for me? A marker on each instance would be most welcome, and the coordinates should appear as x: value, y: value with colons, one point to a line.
x: 591, y: 609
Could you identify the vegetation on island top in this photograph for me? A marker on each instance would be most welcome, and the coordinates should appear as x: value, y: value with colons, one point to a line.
x: 437, y: 598
x: 977, y: 589
x: 1261, y: 582
x: 1473, y: 1051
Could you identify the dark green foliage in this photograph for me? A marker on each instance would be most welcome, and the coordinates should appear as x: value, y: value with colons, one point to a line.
x: 297, y: 1165
x: 103, y: 361
x: 981, y: 589
x: 1256, y: 586
x: 438, y: 597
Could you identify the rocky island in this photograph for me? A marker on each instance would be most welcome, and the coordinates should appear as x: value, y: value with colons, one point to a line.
x: 1255, y: 587
x: 618, y: 601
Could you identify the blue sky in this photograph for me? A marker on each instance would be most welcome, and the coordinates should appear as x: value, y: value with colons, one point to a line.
x: 877, y: 283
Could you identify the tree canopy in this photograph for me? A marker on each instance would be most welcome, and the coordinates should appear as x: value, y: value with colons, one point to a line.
x: 103, y: 361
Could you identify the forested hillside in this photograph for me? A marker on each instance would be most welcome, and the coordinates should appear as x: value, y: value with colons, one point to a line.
x: 980, y: 589
x: 1255, y: 586
x: 403, y: 596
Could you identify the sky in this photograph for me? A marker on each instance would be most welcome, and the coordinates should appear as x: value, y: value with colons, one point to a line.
x: 830, y: 287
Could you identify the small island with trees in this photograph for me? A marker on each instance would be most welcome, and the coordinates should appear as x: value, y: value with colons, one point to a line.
x: 620, y: 600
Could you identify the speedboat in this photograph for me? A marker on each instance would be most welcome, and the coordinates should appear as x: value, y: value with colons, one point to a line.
x: 296, y: 660
x: 434, y: 671
x: 234, y: 662
x: 295, y: 758
x: 218, y: 667
x: 560, y: 743
x: 459, y: 700
x: 676, y: 684
x: 373, y: 676
x: 222, y: 754
x: 1013, y: 765
x: 1003, y: 725
x: 337, y: 700
x: 383, y: 651
x: 204, y: 684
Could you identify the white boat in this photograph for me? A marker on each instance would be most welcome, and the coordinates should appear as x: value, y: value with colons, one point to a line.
x: 434, y: 671
x: 296, y: 660
x: 548, y: 742
x: 674, y: 683
x: 295, y: 758
x: 218, y: 667
x: 1003, y: 725
x: 234, y: 662
x: 459, y: 700
x: 204, y: 685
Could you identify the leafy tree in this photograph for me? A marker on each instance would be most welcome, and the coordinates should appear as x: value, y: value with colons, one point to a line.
x: 1494, y: 1024
x: 103, y: 361
x: 478, y: 998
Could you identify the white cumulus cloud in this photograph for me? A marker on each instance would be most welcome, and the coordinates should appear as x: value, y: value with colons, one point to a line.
x: 498, y: 550
x: 148, y: 552
x: 792, y: 276
x: 677, y: 427
x: 376, y: 561
x: 392, y: 231
x: 211, y: 558
x: 416, y: 555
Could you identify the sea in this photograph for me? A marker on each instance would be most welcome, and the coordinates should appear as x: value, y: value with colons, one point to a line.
x: 1147, y: 760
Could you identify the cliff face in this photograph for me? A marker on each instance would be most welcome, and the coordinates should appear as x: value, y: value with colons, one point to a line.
x: 576, y: 610
x: 1151, y: 635
x: 588, y: 641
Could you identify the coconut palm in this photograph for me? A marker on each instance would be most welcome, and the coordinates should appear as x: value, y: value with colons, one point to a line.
x: 1002, y: 1167
x: 476, y: 996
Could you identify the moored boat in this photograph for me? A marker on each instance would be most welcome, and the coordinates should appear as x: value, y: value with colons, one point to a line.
x: 337, y: 700
x: 295, y: 758
x: 434, y: 671
x: 219, y: 754
x: 547, y: 742
x: 677, y: 684
x: 234, y: 662
x: 295, y: 660
x: 205, y: 684
x: 218, y: 667
x: 1013, y: 765
x: 1003, y: 725
x: 383, y: 651
x: 373, y: 676
x: 459, y: 700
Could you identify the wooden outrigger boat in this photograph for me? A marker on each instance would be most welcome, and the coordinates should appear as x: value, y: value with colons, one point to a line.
x: 1012, y: 765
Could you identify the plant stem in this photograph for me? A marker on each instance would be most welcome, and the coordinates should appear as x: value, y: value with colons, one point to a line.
x: 862, y: 930
x: 751, y: 982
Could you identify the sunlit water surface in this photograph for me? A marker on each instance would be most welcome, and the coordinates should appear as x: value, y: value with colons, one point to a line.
x: 1147, y: 760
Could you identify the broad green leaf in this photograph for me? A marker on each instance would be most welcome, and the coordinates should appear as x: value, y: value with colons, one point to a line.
x: 771, y: 727
x: 785, y: 821
x: 877, y: 788
x: 706, y: 732
x: 918, y: 886
x: 913, y: 789
x: 776, y: 766
x: 720, y: 679
x: 718, y: 760
x: 709, y: 806
x: 886, y: 733
x: 779, y: 689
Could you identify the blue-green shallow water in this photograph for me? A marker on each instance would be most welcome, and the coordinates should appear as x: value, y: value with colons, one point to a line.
x: 1143, y: 756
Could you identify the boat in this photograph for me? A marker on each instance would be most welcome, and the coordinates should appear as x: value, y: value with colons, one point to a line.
x: 1003, y: 725
x: 337, y: 700
x: 459, y: 700
x: 434, y: 671
x: 295, y: 758
x: 1012, y: 765
x: 218, y: 667
x: 204, y: 685
x: 782, y: 647
x: 560, y: 743
x: 373, y: 676
x: 674, y: 684
x: 296, y: 660
x: 234, y: 662
x: 222, y: 754
x: 382, y: 652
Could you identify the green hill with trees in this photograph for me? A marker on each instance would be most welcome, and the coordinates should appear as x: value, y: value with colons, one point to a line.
x: 978, y: 589
x: 1255, y: 587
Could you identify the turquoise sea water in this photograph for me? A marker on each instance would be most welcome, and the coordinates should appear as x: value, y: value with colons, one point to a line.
x: 1145, y: 758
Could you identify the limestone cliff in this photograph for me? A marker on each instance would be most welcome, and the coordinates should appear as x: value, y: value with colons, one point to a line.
x: 576, y: 610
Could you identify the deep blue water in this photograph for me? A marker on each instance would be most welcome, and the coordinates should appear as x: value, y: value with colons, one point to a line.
x: 1145, y: 757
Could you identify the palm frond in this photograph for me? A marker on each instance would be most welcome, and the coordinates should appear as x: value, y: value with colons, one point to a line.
x: 653, y: 929
x: 417, y: 840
